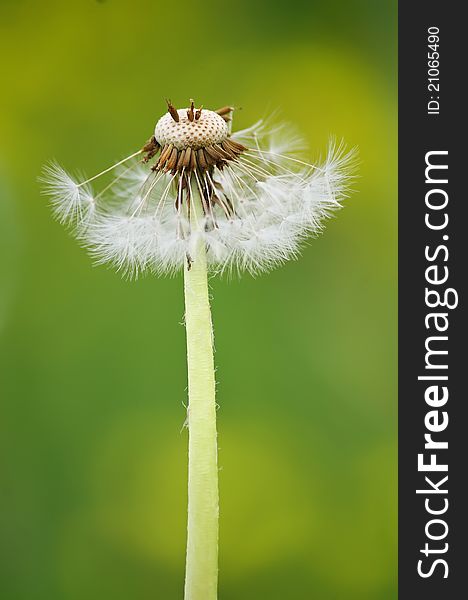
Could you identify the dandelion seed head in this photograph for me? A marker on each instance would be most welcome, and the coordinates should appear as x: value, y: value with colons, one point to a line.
x: 210, y: 128
x: 249, y: 195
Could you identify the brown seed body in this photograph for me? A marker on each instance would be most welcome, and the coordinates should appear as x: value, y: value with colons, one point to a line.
x: 192, y: 140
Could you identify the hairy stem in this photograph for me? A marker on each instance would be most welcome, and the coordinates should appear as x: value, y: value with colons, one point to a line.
x: 203, y: 508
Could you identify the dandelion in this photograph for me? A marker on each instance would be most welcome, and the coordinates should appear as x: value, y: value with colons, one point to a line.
x: 202, y: 198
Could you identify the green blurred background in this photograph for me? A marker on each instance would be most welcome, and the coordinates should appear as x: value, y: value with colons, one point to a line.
x: 93, y: 376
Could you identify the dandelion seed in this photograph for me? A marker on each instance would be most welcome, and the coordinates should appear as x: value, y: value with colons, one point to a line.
x: 72, y: 203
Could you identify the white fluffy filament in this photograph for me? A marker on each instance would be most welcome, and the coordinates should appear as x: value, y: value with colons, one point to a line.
x: 266, y: 203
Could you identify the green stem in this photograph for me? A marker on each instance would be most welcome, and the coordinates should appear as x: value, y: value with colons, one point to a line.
x: 203, y: 506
